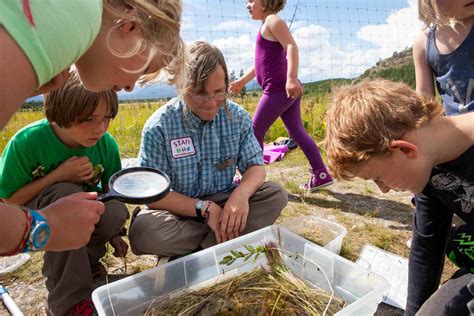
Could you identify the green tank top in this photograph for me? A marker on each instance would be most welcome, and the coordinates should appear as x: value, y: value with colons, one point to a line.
x: 53, y: 34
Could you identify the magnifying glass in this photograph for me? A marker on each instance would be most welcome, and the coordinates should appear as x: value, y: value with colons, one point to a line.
x: 137, y: 185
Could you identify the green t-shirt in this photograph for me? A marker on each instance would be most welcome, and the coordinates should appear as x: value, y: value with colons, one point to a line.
x: 35, y: 150
x: 53, y: 34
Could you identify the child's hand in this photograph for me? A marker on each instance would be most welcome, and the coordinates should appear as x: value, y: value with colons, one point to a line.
x: 120, y: 246
x: 293, y: 88
x: 75, y: 170
x: 235, y: 87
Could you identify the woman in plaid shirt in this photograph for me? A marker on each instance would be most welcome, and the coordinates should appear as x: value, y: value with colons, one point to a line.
x: 200, y: 140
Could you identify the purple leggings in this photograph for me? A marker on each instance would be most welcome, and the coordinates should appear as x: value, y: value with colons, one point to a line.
x: 272, y: 106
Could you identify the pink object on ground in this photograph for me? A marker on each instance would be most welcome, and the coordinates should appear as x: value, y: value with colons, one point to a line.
x: 272, y: 153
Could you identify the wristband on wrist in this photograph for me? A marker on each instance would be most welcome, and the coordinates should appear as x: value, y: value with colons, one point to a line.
x: 206, y: 210
x: 22, y: 243
x: 198, y: 207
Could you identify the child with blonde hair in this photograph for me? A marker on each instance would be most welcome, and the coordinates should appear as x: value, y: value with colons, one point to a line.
x: 113, y: 44
x: 385, y: 132
x: 445, y: 51
x: 276, y: 69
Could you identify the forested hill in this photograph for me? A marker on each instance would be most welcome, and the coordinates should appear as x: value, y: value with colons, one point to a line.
x: 399, y: 67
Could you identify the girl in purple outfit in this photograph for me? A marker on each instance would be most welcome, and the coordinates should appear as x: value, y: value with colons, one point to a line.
x: 276, y: 69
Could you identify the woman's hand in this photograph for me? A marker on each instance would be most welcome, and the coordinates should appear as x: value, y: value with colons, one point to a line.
x: 234, y: 216
x: 213, y: 218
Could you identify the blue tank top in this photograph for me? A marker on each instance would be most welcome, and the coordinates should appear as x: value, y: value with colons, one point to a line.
x: 454, y: 73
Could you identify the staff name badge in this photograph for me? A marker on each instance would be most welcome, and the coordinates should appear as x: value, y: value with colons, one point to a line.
x: 182, y: 147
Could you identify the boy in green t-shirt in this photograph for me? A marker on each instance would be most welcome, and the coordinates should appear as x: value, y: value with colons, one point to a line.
x: 68, y: 152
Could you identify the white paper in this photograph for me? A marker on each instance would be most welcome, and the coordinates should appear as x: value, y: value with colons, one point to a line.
x: 394, y: 268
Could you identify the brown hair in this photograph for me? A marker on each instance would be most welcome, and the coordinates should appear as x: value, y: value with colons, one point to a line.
x: 273, y: 5
x: 201, y: 60
x: 72, y: 103
x: 366, y: 117
x: 158, y: 23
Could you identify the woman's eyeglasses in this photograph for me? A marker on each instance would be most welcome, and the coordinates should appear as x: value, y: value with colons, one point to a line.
x: 206, y: 98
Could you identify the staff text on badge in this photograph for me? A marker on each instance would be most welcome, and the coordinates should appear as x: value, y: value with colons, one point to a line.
x: 182, y: 147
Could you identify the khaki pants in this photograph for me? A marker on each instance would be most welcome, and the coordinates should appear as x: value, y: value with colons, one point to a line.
x: 163, y: 233
x: 68, y: 273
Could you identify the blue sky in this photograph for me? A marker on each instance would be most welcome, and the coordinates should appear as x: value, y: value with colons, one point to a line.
x: 336, y: 38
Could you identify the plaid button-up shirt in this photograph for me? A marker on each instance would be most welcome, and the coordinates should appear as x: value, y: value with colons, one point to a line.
x: 200, y: 157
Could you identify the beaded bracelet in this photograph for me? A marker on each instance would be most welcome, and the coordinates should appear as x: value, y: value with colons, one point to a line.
x: 206, y: 210
x: 22, y: 244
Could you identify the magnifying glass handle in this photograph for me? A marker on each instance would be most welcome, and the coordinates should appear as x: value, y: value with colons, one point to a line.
x: 105, y: 197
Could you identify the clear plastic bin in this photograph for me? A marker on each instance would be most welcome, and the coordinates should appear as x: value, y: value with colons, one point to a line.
x: 362, y: 290
x: 329, y: 234
x: 10, y: 264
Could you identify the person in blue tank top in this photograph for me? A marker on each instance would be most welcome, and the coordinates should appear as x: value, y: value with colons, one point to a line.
x: 445, y: 51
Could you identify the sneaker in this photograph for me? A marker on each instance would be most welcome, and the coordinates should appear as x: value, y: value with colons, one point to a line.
x: 83, y: 308
x: 318, y: 180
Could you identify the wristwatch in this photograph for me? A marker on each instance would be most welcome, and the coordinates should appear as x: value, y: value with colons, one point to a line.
x: 199, y: 206
x: 39, y: 232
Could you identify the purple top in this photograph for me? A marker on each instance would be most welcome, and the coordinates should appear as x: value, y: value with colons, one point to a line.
x: 270, y: 65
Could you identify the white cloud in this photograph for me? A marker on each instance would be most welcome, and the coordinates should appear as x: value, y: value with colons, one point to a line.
x: 187, y: 24
x: 322, y: 57
x: 234, y: 25
x: 238, y: 52
x: 399, y: 31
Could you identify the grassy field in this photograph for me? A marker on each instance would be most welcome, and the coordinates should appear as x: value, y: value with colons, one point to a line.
x: 127, y: 126
x: 383, y: 220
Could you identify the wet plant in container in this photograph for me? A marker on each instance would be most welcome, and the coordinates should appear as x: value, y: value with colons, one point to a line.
x: 269, y: 290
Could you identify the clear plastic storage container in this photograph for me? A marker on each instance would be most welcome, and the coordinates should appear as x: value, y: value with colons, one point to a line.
x: 360, y: 289
x: 329, y: 234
